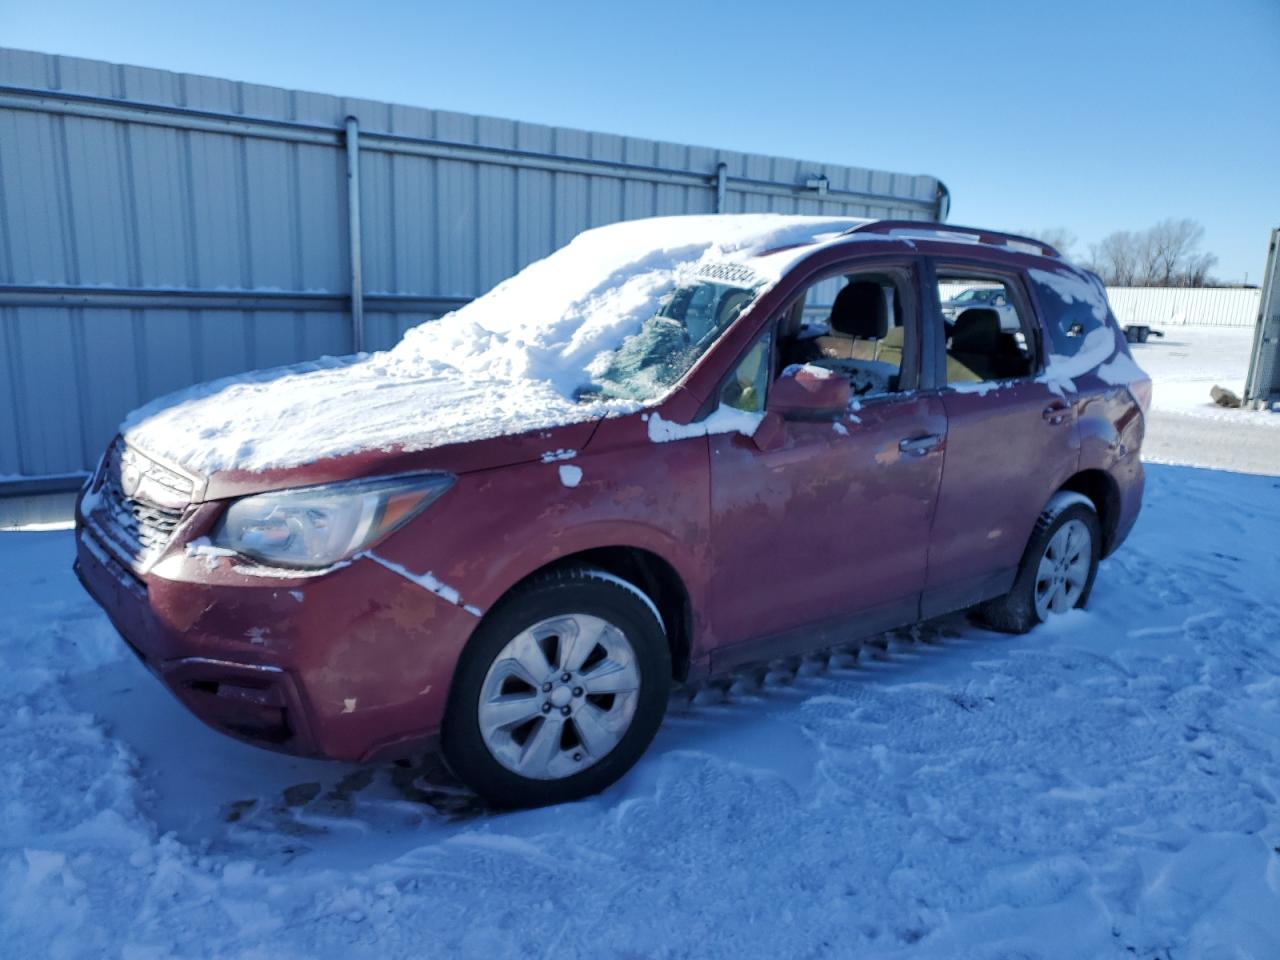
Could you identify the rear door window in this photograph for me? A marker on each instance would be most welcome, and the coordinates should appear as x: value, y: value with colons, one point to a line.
x: 1072, y: 306
x: 990, y: 333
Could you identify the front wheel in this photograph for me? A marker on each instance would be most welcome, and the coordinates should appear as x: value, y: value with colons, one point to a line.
x: 1057, y: 569
x: 559, y: 692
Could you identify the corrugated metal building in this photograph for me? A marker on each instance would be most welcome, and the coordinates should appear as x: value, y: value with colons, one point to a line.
x: 158, y: 229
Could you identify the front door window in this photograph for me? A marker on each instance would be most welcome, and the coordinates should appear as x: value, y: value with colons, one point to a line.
x: 855, y: 325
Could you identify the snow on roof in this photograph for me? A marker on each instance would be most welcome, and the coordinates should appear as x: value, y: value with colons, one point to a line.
x: 506, y: 363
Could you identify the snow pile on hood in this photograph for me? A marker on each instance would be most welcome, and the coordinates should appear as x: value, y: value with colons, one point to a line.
x: 505, y: 363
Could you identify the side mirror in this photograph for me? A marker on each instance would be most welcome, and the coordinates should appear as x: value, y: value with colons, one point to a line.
x: 805, y: 392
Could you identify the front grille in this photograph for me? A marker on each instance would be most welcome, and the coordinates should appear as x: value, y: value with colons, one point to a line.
x: 140, y: 524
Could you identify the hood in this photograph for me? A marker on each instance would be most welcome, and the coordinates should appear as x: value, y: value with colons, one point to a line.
x: 272, y: 420
x: 511, y: 363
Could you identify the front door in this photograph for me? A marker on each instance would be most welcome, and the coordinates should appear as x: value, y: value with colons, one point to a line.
x: 825, y: 532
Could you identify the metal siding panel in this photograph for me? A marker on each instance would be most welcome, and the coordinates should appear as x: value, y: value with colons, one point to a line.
x: 50, y: 404
x: 276, y: 336
x: 457, y: 203
x: 27, y: 160
x: 496, y: 211
x: 378, y: 222
x: 268, y: 181
x: 219, y: 340
x: 259, y: 101
x: 215, y: 185
x: 325, y: 334
x: 169, y: 356
x: 161, y: 232
x: 96, y: 200
x: 112, y: 375
x: 13, y: 448
x: 24, y: 68
x: 209, y: 93
x: 411, y: 121
x: 381, y: 331
x: 534, y: 198
x: 144, y: 83
x: 571, y: 207
x: 639, y: 199
x: 83, y: 76
x: 413, y: 223
x: 317, y: 108
x: 322, y: 213
x: 605, y: 192
x: 371, y: 114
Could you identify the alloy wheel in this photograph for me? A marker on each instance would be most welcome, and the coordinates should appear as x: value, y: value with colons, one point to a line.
x: 1064, y: 569
x: 559, y: 696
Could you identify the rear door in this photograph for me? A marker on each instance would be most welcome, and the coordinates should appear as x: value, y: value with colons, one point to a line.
x: 832, y: 523
x: 1011, y: 436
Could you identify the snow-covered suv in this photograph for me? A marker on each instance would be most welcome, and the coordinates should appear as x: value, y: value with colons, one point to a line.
x: 674, y: 447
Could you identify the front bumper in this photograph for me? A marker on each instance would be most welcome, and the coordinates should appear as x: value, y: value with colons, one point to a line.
x: 351, y: 665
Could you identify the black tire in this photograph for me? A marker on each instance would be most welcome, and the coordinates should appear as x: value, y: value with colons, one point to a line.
x: 575, y: 590
x: 1015, y: 612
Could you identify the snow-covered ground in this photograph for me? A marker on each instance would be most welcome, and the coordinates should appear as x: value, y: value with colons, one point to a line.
x: 1185, y: 425
x: 1104, y: 787
x: 1189, y: 361
x: 1108, y: 786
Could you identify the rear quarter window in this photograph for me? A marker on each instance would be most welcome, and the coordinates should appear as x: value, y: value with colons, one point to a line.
x: 1072, y: 306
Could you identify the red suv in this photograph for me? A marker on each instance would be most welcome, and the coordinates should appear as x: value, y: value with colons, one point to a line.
x: 674, y: 447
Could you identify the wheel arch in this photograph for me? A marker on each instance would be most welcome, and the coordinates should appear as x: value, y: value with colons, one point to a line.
x: 1103, y: 492
x: 653, y: 573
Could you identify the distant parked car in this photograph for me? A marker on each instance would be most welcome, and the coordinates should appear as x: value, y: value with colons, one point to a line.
x: 631, y: 465
x: 990, y: 297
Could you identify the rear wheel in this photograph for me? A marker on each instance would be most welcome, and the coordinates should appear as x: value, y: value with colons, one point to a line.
x: 1057, y: 569
x: 559, y: 692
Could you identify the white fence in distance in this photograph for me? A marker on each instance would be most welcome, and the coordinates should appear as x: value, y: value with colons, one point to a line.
x: 1171, y: 306
x: 1186, y: 306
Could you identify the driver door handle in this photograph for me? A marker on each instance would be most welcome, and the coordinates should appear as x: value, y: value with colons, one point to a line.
x: 919, y: 446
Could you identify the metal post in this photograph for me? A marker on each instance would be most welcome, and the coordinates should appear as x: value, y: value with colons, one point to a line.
x: 1262, y: 388
x: 353, y: 234
x: 722, y: 184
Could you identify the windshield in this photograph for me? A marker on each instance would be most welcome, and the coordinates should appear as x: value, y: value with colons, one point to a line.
x: 689, y: 320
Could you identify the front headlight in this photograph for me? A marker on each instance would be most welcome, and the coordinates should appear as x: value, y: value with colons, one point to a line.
x: 318, y: 526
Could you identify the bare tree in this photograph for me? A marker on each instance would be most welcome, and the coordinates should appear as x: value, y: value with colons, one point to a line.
x: 1148, y: 252
x: 1197, y: 270
x: 1115, y: 258
x: 1173, y: 245
x: 1165, y: 255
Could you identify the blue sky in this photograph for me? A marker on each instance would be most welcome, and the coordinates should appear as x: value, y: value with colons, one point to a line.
x: 1094, y: 116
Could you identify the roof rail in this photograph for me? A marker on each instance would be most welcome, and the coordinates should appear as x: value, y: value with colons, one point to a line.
x: 924, y: 228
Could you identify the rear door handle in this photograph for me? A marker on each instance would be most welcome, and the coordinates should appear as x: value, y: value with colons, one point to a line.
x: 919, y: 446
x: 1057, y: 411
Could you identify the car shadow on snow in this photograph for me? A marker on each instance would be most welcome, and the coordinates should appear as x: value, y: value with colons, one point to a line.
x: 235, y: 798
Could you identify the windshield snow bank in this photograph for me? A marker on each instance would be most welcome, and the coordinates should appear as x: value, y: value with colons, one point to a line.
x: 514, y: 360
